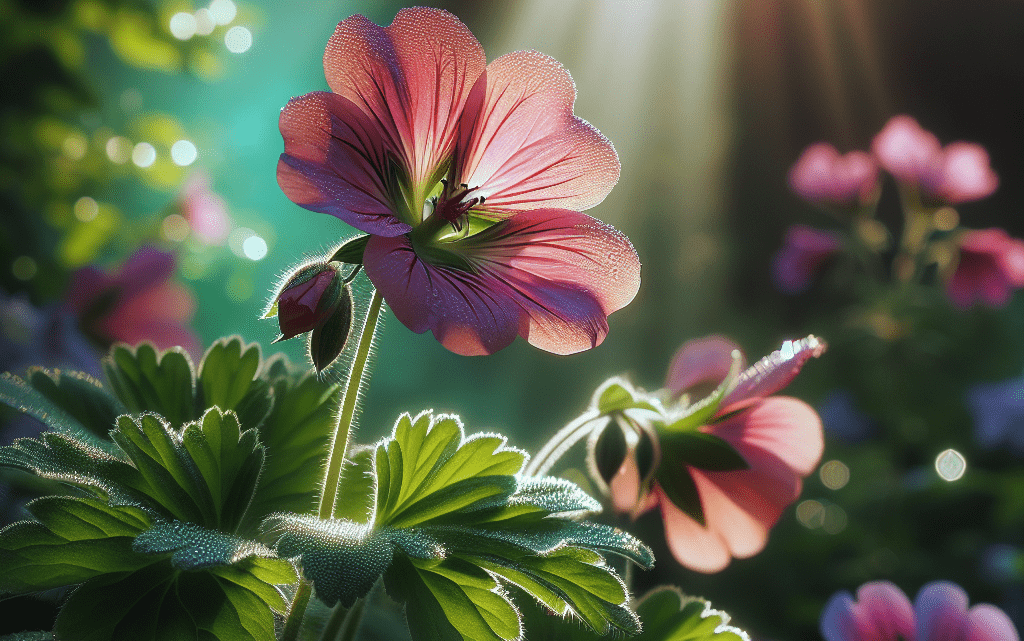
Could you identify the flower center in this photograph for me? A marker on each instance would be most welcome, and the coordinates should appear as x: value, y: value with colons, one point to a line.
x: 454, y: 203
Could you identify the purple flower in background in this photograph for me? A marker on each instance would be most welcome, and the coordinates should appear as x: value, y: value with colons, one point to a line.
x: 842, y: 418
x: 951, y: 175
x: 998, y: 412
x: 825, y: 177
x: 989, y: 268
x: 803, y: 251
x: 135, y: 303
x: 882, y: 612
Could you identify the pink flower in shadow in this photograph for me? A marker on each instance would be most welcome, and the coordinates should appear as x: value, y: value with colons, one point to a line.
x: 989, y: 268
x: 778, y: 438
x: 469, y: 177
x: 825, y: 177
x: 137, y: 302
x: 205, y: 211
x: 954, y: 174
x: 803, y: 251
x: 882, y: 612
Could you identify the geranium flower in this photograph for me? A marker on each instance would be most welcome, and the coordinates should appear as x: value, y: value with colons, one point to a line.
x: 135, y: 303
x: 723, y: 484
x: 825, y: 177
x: 954, y: 174
x: 803, y: 251
x: 469, y: 178
x: 989, y: 268
x: 882, y: 612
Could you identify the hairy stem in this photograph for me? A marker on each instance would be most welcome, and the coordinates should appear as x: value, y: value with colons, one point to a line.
x: 295, y: 612
x: 561, y: 442
x: 344, y: 622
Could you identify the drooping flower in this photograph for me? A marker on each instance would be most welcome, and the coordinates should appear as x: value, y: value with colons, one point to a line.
x: 954, y: 174
x: 882, y: 612
x: 469, y: 179
x: 998, y: 412
x: 316, y: 298
x: 990, y: 266
x: 803, y: 251
x: 723, y: 482
x: 137, y: 302
x: 825, y: 177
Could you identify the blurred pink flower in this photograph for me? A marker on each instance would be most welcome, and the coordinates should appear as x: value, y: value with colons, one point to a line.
x: 205, y: 211
x: 469, y: 178
x: 824, y: 177
x: 989, y: 268
x: 778, y: 437
x: 136, y: 303
x: 882, y: 612
x: 803, y: 251
x: 954, y: 174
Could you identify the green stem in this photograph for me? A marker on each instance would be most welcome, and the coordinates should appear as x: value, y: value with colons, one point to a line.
x: 561, y: 442
x: 344, y: 622
x: 299, y: 602
x: 329, y: 491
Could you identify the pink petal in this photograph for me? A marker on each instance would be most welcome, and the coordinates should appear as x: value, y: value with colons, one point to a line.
x: 822, y: 175
x: 521, y: 145
x: 551, y: 276
x: 882, y: 613
x: 624, y: 487
x: 700, y: 361
x: 988, y: 623
x: 773, y: 372
x: 839, y: 621
x: 962, y: 174
x: 412, y: 78
x: 905, y: 149
x: 693, y: 546
x: 785, y: 428
x: 334, y: 162
x: 941, y: 609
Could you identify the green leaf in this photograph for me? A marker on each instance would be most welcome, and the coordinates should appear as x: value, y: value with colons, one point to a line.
x: 616, y: 395
x: 147, y: 381
x: 17, y: 394
x: 355, y: 501
x: 194, y: 547
x: 81, y: 396
x: 351, y: 251
x: 669, y: 616
x: 702, y: 451
x: 227, y: 373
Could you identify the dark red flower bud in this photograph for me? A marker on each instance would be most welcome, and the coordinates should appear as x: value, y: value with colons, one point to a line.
x: 308, y: 299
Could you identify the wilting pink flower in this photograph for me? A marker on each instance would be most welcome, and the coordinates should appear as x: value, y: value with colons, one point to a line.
x: 778, y: 437
x: 135, y: 303
x: 469, y: 178
x: 989, y: 268
x: 882, y: 612
x: 954, y: 174
x: 803, y: 251
x: 825, y: 177
x: 205, y: 211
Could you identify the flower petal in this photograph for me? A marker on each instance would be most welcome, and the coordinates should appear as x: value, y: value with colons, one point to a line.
x: 881, y: 613
x: 412, y: 77
x: 941, y: 609
x: 838, y: 619
x: 988, y: 623
x: 700, y: 361
x: 334, y: 162
x: 692, y: 545
x: 521, y: 145
x: 906, y: 150
x: 552, y: 276
x: 773, y: 372
x: 785, y: 428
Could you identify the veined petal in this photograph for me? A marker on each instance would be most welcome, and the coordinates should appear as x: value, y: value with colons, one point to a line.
x: 773, y: 372
x: 550, y: 276
x: 782, y: 426
x: 335, y: 162
x: 412, y: 77
x: 941, y: 609
x: 701, y: 361
x: 521, y: 145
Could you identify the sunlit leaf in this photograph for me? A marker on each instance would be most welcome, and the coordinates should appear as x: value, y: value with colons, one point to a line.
x: 148, y: 381
x: 19, y: 395
x: 81, y: 396
x: 616, y: 395
x: 227, y: 379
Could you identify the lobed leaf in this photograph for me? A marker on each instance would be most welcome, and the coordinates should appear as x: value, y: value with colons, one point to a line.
x: 81, y: 396
x: 149, y: 381
x: 670, y: 616
x: 227, y: 379
x: 19, y: 395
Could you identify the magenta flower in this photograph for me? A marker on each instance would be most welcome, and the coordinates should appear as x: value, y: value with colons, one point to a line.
x: 308, y: 299
x: 882, y: 612
x: 469, y: 178
x: 136, y: 303
x: 721, y: 486
x: 803, y: 251
x: 989, y: 268
x: 824, y: 177
x: 954, y: 174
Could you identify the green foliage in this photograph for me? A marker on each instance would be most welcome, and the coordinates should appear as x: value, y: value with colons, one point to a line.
x: 615, y: 395
x: 451, y: 523
x: 147, y: 381
x: 690, y: 417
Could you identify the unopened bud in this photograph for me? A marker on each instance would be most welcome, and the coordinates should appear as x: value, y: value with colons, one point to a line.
x: 308, y: 299
x: 328, y: 339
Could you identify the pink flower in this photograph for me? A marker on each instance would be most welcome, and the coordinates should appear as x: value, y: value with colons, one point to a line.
x: 136, y: 303
x: 990, y: 266
x: 469, y: 178
x: 824, y: 177
x: 723, y: 484
x: 205, y: 211
x: 954, y: 174
x: 939, y: 613
x: 801, y: 255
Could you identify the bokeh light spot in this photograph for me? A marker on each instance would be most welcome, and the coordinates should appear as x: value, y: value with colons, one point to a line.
x: 174, y: 228
x: 184, y: 153
x: 118, y: 149
x: 950, y: 465
x: 238, y: 39
x: 183, y: 25
x: 946, y: 219
x: 204, y: 22
x: 223, y: 11
x: 834, y: 519
x: 24, y: 267
x: 86, y: 209
x: 810, y: 513
x: 75, y: 146
x: 834, y: 475
x: 254, y: 248
x: 144, y: 154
